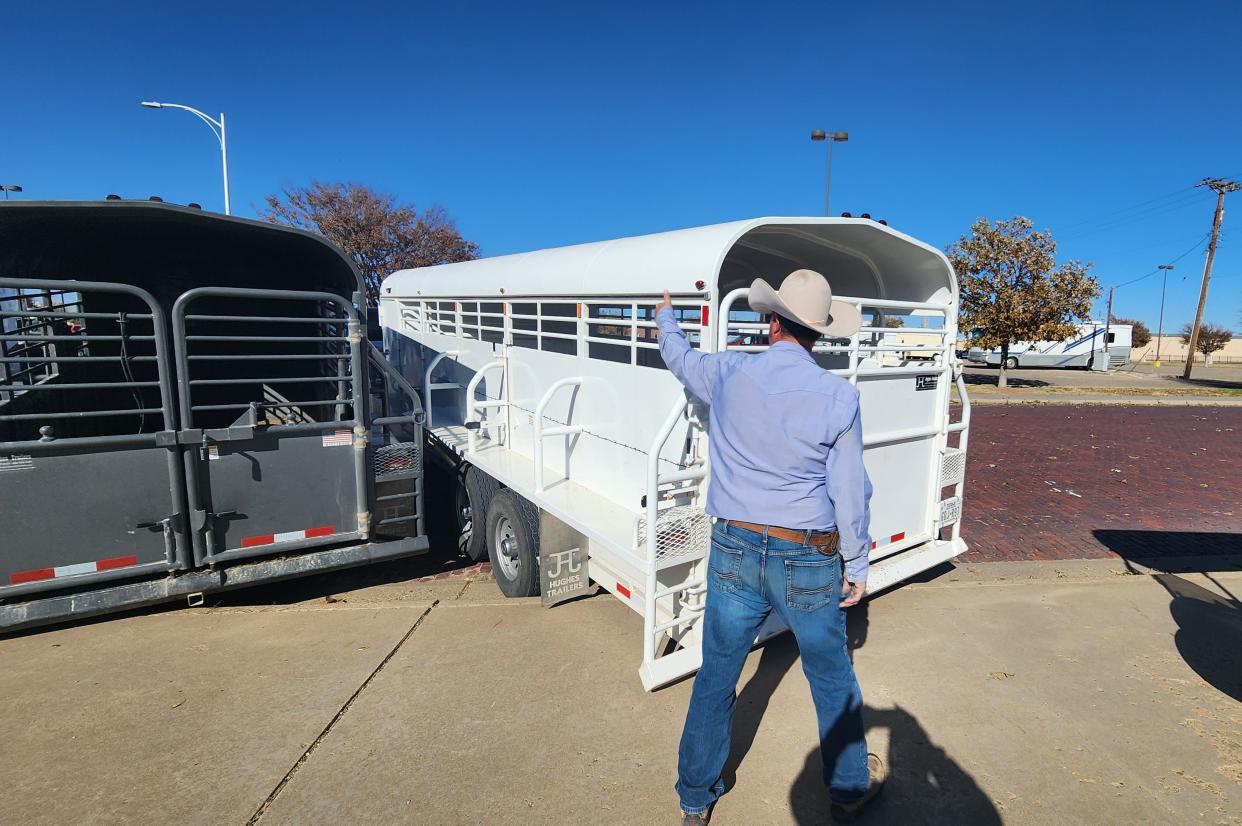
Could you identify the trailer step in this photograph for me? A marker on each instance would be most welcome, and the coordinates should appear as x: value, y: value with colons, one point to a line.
x: 671, y: 667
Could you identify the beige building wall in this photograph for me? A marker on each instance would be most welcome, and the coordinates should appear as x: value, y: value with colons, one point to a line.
x: 1172, y: 349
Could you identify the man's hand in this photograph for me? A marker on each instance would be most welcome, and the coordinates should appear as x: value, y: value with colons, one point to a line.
x: 852, y: 593
x: 667, y: 302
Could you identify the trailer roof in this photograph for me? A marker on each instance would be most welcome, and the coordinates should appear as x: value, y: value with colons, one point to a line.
x: 165, y: 248
x: 860, y: 257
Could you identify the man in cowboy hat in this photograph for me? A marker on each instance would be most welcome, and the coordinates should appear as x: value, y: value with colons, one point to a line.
x: 789, y: 494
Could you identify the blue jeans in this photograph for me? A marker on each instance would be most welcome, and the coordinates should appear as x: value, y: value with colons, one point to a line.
x: 750, y: 575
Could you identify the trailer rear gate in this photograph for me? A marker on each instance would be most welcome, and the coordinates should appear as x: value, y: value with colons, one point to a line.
x: 148, y: 432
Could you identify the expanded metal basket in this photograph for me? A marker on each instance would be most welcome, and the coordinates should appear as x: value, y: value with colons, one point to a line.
x: 398, y: 461
x: 952, y: 467
x: 681, y: 531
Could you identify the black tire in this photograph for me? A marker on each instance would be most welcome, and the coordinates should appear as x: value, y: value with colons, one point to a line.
x: 512, y: 518
x: 472, y: 500
x: 1011, y: 363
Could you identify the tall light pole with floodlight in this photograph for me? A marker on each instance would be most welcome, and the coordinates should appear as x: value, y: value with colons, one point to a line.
x: 9, y: 188
x: 217, y: 128
x: 1164, y: 282
x: 831, y: 138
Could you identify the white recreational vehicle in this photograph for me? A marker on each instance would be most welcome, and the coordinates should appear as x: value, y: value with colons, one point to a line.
x: 1088, y: 343
x: 575, y: 447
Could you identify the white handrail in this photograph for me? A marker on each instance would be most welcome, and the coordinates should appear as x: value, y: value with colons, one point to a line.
x: 475, y: 408
x: 962, y: 427
x: 726, y: 306
x: 653, y: 500
x: 557, y: 430
x: 428, y: 386
x: 856, y: 348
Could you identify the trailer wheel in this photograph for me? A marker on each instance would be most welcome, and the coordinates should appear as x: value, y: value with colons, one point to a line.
x: 1011, y: 363
x: 513, y: 544
x: 474, y: 494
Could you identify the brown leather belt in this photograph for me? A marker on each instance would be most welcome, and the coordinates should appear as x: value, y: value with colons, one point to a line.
x: 826, y: 542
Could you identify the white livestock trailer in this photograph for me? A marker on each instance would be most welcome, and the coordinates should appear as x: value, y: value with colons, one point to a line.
x: 545, y: 391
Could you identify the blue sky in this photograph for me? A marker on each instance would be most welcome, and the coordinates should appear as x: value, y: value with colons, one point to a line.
x: 539, y: 124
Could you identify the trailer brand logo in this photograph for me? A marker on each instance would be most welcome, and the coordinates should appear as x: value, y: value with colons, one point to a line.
x: 926, y: 382
x: 563, y: 575
x: 15, y: 462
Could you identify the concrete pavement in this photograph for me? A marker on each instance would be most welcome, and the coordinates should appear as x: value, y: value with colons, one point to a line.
x: 1020, y: 693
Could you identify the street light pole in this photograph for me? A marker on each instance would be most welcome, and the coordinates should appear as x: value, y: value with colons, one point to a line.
x: 831, y: 138
x: 9, y: 188
x: 1164, y: 283
x: 217, y: 129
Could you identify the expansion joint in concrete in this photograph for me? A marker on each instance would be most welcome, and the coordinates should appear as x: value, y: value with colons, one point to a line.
x: 284, y: 781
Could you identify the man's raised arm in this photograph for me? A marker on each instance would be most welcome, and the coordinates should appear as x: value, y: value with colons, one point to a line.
x: 696, y: 370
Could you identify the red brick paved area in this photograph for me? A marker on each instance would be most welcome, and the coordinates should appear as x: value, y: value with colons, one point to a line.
x: 1069, y: 482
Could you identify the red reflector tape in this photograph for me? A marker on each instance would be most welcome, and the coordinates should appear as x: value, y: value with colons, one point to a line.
x: 59, y: 571
x: 32, y: 576
x: 288, y: 536
x: 897, y: 537
x: 623, y: 591
x: 116, y: 562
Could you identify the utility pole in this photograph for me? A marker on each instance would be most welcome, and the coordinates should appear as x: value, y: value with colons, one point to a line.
x: 1108, y: 320
x: 1221, y: 188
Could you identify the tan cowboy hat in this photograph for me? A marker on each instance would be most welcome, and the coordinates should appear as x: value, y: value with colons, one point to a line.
x: 806, y: 298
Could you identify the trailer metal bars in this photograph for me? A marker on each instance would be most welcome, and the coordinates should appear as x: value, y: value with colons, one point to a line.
x: 176, y: 555
x: 32, y: 347
x: 206, y: 552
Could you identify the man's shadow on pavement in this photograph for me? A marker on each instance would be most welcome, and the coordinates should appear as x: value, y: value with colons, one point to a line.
x: 925, y: 784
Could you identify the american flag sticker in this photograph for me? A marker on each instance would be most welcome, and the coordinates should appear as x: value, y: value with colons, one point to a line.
x: 341, y: 438
x: 15, y: 462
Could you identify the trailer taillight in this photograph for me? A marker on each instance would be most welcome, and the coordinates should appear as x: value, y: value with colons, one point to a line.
x: 703, y: 316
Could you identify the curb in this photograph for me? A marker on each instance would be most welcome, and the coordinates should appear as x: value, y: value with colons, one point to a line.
x: 1114, y: 401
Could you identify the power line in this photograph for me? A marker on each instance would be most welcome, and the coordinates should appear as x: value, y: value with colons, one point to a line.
x: 1127, y: 209
x: 1155, y: 244
x: 1145, y: 215
x: 1197, y: 244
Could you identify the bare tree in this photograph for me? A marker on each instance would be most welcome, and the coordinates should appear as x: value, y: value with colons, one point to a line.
x: 378, y: 232
x: 1012, y: 288
x: 1212, y: 337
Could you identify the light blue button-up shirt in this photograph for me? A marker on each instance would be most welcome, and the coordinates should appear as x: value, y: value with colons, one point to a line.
x: 785, y: 439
